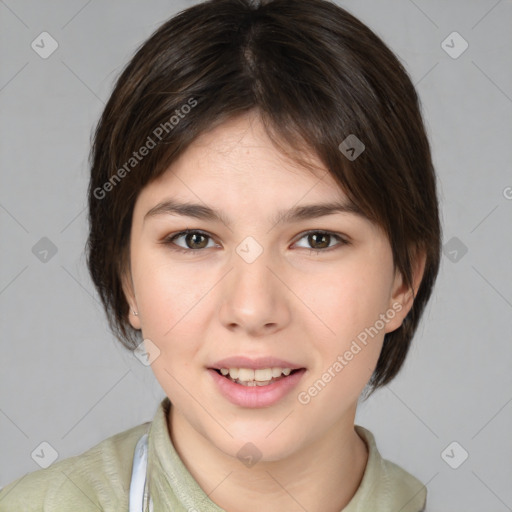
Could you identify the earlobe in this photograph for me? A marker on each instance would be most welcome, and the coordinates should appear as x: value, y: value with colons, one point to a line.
x: 133, y: 315
x: 134, y: 319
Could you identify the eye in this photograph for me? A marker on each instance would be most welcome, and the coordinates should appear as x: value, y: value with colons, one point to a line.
x: 320, y: 241
x: 194, y: 240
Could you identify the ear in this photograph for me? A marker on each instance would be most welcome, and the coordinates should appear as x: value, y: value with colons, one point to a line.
x: 128, y: 289
x: 402, y: 297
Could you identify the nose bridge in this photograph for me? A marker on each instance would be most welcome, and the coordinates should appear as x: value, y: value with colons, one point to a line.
x: 253, y: 298
x: 251, y: 275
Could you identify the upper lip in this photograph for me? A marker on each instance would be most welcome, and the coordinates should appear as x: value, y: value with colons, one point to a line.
x: 254, y: 363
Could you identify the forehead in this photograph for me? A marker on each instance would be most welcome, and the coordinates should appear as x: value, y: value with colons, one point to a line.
x: 238, y: 159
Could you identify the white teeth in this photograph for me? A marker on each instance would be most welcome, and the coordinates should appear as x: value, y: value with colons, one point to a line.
x: 276, y: 372
x: 259, y: 377
x: 262, y: 375
x: 245, y: 374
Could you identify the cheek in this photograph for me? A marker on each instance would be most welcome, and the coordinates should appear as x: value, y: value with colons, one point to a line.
x: 170, y: 300
x: 170, y: 310
x: 349, y: 303
x: 347, y: 299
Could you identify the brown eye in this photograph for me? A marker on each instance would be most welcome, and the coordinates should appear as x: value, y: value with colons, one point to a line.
x: 190, y: 241
x: 319, y: 240
x: 196, y: 240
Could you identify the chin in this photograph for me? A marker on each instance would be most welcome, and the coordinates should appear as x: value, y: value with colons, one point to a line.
x: 257, y: 440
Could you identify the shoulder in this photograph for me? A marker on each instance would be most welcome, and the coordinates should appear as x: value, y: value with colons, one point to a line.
x: 403, y: 488
x: 385, y: 485
x: 97, y: 479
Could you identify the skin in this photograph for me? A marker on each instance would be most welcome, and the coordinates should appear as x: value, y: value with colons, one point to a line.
x: 291, y: 303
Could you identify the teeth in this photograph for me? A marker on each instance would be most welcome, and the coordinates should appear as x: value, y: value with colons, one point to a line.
x: 259, y: 377
x: 263, y: 374
x: 245, y: 374
x: 276, y: 372
x: 253, y: 383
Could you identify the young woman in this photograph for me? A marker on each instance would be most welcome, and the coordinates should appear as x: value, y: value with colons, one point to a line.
x: 264, y: 232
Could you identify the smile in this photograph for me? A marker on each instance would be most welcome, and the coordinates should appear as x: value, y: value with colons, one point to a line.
x: 251, y: 388
x: 258, y: 377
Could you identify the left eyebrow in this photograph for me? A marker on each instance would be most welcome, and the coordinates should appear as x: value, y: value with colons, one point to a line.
x: 313, y: 211
x: 295, y: 214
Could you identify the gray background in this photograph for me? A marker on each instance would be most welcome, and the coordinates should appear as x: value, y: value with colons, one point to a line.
x: 66, y: 381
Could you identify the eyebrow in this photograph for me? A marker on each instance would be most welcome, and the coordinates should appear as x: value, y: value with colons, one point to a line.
x: 295, y: 214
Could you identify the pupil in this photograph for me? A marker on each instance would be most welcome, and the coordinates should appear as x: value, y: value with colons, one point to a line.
x: 191, y: 239
x: 313, y: 240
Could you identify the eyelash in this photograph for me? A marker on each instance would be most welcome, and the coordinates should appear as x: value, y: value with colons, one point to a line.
x: 170, y: 240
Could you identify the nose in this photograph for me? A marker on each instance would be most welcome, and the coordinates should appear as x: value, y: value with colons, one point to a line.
x: 254, y: 300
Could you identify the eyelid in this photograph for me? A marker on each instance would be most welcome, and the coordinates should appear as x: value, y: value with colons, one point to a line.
x: 342, y: 240
x: 169, y: 239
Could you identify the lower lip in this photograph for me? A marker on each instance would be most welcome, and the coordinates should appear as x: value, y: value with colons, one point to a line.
x: 256, y: 396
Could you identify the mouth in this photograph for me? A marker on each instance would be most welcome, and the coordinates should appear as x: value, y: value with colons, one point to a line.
x: 250, y: 377
x: 255, y: 383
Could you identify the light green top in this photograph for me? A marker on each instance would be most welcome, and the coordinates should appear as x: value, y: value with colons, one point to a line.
x: 99, y: 479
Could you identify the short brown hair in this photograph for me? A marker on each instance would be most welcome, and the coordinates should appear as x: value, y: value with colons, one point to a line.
x: 315, y: 74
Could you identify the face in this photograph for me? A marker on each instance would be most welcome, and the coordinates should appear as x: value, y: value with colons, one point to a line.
x: 311, y: 295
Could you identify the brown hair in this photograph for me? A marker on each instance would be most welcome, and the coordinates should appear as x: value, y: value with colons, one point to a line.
x: 315, y: 74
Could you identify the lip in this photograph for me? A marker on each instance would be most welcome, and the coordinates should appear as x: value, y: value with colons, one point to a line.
x: 256, y: 396
x: 253, y: 363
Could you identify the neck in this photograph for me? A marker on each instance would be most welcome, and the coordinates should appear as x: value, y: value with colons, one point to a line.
x: 323, y: 476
